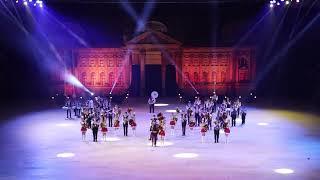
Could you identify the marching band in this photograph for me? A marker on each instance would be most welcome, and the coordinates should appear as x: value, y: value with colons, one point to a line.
x: 208, y: 115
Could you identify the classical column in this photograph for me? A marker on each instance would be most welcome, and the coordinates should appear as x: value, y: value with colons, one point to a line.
x: 142, y: 59
x: 178, y: 60
x: 163, y: 76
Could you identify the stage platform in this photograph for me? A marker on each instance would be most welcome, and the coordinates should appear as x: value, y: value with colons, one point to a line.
x: 44, y: 145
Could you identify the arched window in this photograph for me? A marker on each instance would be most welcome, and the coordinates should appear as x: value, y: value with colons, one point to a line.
x: 93, y: 78
x: 84, y: 78
x: 223, y: 76
x: 214, y: 76
x: 102, y: 78
x: 111, y: 78
x: 195, y: 77
x: 205, y: 77
x: 120, y: 80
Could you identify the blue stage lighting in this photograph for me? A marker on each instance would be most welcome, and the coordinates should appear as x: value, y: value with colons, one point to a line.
x: 25, y: 3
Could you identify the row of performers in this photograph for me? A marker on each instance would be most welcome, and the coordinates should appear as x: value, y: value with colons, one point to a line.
x: 211, y: 105
x: 157, y: 127
x: 89, y: 121
x: 91, y: 104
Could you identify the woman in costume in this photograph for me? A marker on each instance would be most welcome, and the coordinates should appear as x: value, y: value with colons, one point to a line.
x: 83, y: 129
x: 104, y: 130
x: 133, y: 124
x: 203, y: 130
x: 162, y: 133
x: 173, y: 122
x: 226, y: 128
x: 192, y: 123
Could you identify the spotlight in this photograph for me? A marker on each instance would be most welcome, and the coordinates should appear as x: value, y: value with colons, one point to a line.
x: 179, y: 94
x: 128, y: 94
x: 65, y: 155
x: 297, y: 1
x: 92, y: 94
x: 112, y: 139
x: 68, y: 97
x: 180, y: 97
x: 250, y: 94
x: 239, y: 97
x: 81, y: 97
x: 35, y: 4
x: 52, y: 97
x: 186, y: 155
x: 263, y: 124
x: 271, y: 5
x: 111, y: 97
x: 287, y: 2
x: 110, y: 93
x: 278, y: 3
x: 255, y: 97
x: 57, y: 94
x: 41, y: 5
x: 284, y: 171
x: 171, y: 111
x: 160, y: 105
x: 127, y: 97
x: 17, y: 1
x: 25, y: 3
x: 30, y: 0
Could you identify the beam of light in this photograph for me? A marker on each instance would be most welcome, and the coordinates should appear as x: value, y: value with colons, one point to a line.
x: 71, y: 79
x: 275, y: 34
x: 295, y: 22
x: 126, y: 62
x: 245, y: 36
x: 284, y: 171
x: 13, y: 18
x: 284, y: 50
x: 186, y: 155
x: 147, y: 9
x: 72, y: 33
x: 161, y: 104
x: 166, y: 143
x: 305, y: 15
x: 65, y: 155
x: 129, y: 9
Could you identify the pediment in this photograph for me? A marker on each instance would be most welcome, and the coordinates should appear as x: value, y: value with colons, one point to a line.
x: 153, y: 37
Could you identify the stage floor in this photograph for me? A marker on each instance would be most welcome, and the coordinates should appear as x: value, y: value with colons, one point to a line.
x: 270, y: 140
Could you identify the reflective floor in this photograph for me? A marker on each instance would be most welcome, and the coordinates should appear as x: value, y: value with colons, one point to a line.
x: 274, y: 144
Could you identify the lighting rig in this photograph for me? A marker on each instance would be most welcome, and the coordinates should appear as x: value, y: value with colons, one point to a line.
x: 275, y: 3
x: 35, y: 3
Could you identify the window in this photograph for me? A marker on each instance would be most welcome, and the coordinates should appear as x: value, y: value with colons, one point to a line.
x: 102, y: 78
x: 101, y: 62
x: 195, y: 77
x: 120, y: 80
x: 111, y: 78
x: 243, y: 63
x: 223, y: 76
x: 92, y: 63
x: 84, y: 77
x: 214, y: 76
x: 205, y: 77
x: 93, y: 78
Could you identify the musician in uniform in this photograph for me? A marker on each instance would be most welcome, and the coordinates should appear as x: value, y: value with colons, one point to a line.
x: 125, y: 123
x: 184, y: 124
x: 233, y: 117
x: 151, y: 103
x: 69, y: 107
x: 95, y: 129
x: 243, y: 117
x: 154, y: 130
x: 110, y: 116
x: 197, y: 114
